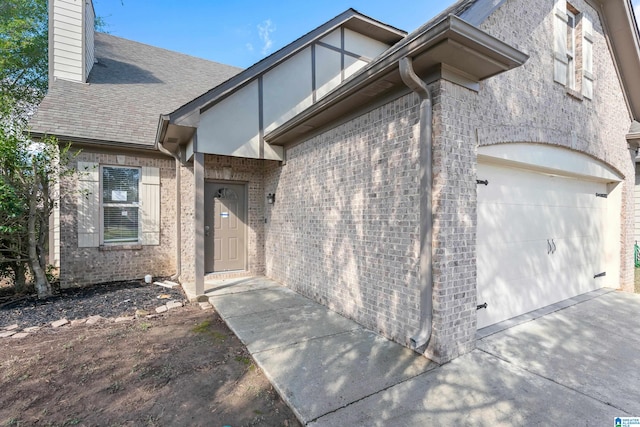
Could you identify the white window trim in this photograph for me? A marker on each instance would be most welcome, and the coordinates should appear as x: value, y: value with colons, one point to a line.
x: 103, y: 205
x: 90, y: 220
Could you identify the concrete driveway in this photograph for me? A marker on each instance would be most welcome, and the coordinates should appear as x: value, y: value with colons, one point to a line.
x: 578, y: 365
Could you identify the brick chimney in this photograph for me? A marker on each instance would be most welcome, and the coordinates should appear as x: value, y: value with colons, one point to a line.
x: 71, y: 41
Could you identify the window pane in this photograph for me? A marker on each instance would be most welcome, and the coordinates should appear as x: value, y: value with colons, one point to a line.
x: 120, y: 224
x: 120, y: 185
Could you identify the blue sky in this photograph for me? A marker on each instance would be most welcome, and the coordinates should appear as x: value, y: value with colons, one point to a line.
x: 241, y: 32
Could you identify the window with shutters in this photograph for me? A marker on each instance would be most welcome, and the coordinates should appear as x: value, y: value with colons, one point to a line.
x: 573, y: 50
x: 120, y: 204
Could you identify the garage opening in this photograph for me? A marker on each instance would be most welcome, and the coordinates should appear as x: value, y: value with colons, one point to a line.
x: 548, y: 228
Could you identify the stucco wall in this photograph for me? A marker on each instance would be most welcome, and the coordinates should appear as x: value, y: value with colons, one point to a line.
x: 85, y: 266
x: 344, y: 228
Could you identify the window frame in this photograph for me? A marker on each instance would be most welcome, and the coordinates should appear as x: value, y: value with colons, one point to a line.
x: 137, y: 205
x: 572, y: 42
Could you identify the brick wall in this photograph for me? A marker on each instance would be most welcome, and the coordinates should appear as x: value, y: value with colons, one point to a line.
x: 187, y: 231
x: 244, y: 171
x: 344, y: 230
x: 85, y: 266
x: 454, y: 222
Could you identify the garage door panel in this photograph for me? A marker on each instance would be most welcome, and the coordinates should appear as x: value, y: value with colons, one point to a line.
x: 503, y: 222
x: 521, y: 187
x: 507, y: 222
x: 540, y: 240
x: 573, y: 256
x: 573, y: 221
x: 508, y: 298
x: 513, y: 260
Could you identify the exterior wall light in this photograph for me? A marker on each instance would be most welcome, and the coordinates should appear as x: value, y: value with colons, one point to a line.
x: 226, y: 172
x: 271, y: 198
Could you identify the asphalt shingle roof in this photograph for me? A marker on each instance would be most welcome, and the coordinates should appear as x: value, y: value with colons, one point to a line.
x: 129, y: 87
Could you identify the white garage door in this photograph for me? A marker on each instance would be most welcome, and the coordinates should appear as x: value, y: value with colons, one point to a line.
x: 541, y: 239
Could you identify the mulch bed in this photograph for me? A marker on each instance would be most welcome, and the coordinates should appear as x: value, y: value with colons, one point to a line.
x: 107, y: 300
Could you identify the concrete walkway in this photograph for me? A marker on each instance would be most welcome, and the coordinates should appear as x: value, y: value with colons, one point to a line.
x: 576, y: 363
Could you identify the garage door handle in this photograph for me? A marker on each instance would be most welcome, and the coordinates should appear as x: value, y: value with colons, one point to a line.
x: 554, y: 246
x: 548, y: 247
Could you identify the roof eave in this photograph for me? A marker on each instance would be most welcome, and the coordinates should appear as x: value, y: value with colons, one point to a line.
x: 37, y: 135
x: 633, y: 141
x: 624, y: 40
x: 483, y: 56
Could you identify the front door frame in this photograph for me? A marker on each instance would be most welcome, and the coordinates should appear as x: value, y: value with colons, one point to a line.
x: 245, y: 195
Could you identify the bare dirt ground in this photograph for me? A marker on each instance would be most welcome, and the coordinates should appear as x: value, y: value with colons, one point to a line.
x: 181, y: 368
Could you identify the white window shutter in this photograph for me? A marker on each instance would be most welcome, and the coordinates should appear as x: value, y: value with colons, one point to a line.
x: 150, y: 206
x: 560, y: 62
x: 587, y: 57
x: 88, y: 205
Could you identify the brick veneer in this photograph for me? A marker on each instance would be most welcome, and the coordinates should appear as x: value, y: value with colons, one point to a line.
x: 344, y: 228
x: 247, y: 171
x: 85, y: 266
x: 526, y: 105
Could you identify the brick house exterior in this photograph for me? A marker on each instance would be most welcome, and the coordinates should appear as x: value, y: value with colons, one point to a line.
x: 346, y: 227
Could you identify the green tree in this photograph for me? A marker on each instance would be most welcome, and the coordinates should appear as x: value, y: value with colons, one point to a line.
x: 23, y: 53
x: 28, y: 173
x: 28, y: 170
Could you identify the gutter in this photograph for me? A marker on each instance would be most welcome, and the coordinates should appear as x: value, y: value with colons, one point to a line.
x: 425, y: 281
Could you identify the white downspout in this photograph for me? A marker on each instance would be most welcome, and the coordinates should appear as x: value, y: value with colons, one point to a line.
x: 422, y: 336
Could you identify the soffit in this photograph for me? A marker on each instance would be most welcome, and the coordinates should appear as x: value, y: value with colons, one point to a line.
x: 624, y: 38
